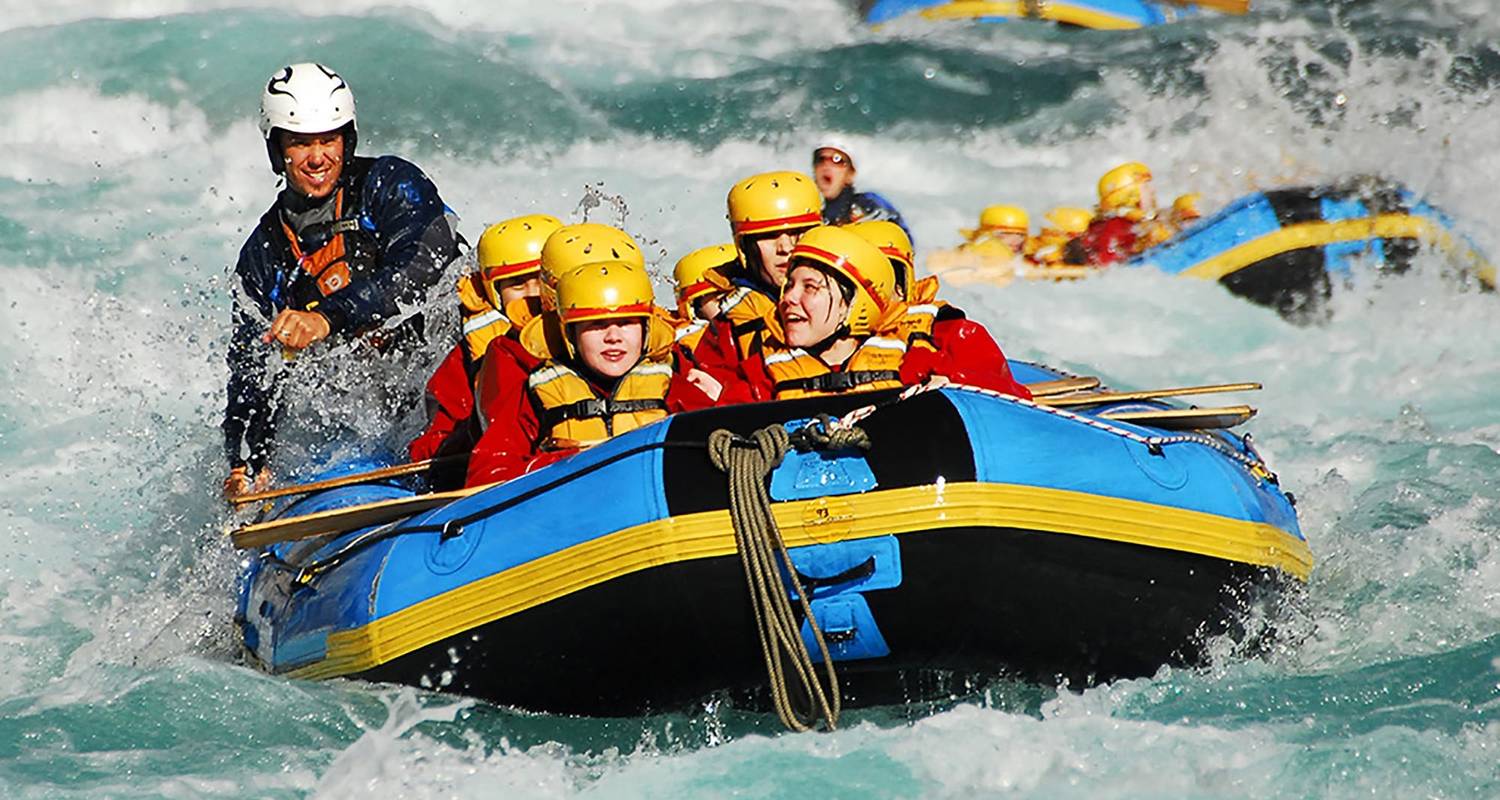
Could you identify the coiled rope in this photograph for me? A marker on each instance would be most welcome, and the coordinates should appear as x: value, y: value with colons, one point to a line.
x: 748, y: 462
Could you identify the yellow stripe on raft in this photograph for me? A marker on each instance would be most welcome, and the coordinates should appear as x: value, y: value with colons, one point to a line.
x: 818, y: 521
x: 1317, y: 234
x: 1054, y: 10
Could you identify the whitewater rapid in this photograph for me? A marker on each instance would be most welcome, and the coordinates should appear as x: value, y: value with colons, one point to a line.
x: 133, y: 170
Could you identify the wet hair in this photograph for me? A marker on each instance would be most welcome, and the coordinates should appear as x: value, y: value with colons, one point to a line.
x: 833, y: 278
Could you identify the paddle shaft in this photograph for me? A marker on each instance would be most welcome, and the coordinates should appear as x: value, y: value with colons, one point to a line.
x: 347, y: 480
x: 1147, y: 394
x: 343, y: 519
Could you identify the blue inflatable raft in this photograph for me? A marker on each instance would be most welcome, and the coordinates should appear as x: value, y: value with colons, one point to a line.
x: 1287, y: 248
x: 978, y: 533
x: 1098, y: 14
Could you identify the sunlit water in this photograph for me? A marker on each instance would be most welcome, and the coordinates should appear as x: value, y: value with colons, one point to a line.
x: 132, y: 170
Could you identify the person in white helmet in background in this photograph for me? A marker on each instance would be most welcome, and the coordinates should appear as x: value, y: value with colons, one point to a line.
x: 833, y: 171
x: 348, y: 240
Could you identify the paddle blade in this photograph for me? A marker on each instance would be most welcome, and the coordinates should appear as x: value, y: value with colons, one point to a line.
x: 1062, y: 386
x: 1177, y: 419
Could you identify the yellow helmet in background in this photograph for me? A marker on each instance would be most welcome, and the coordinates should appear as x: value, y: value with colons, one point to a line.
x: 999, y: 220
x: 1121, y: 186
x: 774, y: 201
x: 512, y: 249
x: 611, y: 289
x: 573, y: 246
x: 689, y: 276
x: 1004, y: 219
x: 858, y: 261
x: 1185, y: 208
x: 1067, y: 221
x: 893, y: 241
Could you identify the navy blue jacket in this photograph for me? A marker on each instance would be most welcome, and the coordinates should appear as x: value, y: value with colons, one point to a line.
x: 851, y: 206
x: 398, y: 239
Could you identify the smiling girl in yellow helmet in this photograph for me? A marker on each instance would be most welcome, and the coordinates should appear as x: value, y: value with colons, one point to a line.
x: 596, y: 365
x: 839, y: 326
x: 494, y: 301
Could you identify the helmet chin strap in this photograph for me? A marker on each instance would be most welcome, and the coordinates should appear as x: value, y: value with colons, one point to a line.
x: 829, y: 341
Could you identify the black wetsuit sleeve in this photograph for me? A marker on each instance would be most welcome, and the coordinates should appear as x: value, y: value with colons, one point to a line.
x: 248, y: 412
x: 415, y: 242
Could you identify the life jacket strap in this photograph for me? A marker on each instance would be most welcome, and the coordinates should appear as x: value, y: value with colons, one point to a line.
x: 838, y: 381
x: 596, y: 407
x: 749, y: 326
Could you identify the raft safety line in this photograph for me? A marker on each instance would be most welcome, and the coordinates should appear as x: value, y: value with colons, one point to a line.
x: 454, y: 527
x: 1153, y: 444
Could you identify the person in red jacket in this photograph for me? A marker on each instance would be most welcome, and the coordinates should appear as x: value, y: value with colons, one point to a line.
x: 840, y: 328
x: 1126, y: 223
x: 969, y: 354
x: 495, y: 301
x: 597, y: 366
x: 767, y: 214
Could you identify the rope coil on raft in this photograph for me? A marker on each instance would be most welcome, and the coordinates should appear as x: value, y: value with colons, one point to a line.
x: 748, y: 463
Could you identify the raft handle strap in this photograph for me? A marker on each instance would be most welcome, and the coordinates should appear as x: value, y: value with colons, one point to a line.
x: 858, y: 572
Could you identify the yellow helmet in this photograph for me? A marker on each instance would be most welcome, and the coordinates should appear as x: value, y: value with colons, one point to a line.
x: 774, y: 201
x: 859, y: 262
x: 1185, y: 208
x: 512, y: 249
x: 1068, y: 221
x: 893, y: 241
x: 688, y: 276
x: 573, y: 246
x: 1121, y: 186
x: 1004, y: 219
x: 603, y: 290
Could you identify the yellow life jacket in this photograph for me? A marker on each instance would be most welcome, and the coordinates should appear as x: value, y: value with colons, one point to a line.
x: 1152, y: 232
x: 875, y: 365
x: 690, y: 333
x: 749, y: 314
x: 922, y: 308
x: 573, y: 413
x: 482, y: 322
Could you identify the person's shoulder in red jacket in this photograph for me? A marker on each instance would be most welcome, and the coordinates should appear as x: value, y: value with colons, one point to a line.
x: 450, y: 401
x: 971, y: 355
x: 1109, y: 240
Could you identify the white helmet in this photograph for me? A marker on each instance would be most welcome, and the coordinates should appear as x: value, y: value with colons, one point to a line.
x: 832, y: 143
x: 305, y: 98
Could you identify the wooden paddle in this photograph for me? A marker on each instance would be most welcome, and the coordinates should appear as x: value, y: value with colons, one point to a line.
x: 1147, y: 394
x: 1061, y: 386
x: 1225, y: 6
x: 347, y: 480
x: 343, y: 519
x: 1175, y: 419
